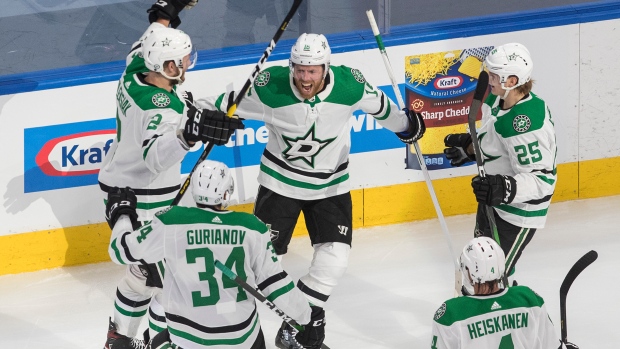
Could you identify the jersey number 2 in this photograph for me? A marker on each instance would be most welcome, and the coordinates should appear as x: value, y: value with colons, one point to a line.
x: 236, y: 259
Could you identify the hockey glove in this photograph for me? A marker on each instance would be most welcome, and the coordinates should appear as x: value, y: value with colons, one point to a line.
x: 120, y: 202
x: 493, y: 190
x: 192, y: 131
x: 217, y: 127
x: 169, y: 9
x: 416, y: 127
x: 313, y: 334
x: 456, y: 149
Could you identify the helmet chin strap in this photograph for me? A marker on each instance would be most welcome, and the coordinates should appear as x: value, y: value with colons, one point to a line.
x: 177, y: 78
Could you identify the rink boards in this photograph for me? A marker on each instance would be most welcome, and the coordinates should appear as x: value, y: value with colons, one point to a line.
x: 53, y: 140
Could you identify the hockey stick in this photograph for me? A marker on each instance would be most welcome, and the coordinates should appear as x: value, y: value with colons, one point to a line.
x: 261, y: 298
x: 429, y: 183
x: 481, y: 88
x: 581, y: 264
x: 232, y: 108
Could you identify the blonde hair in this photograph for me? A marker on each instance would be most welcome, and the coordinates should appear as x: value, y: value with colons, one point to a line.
x: 526, y: 88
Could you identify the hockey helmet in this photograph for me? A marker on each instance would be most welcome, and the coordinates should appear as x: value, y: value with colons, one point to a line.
x: 311, y: 49
x: 212, y: 184
x: 483, y: 260
x: 167, y: 44
x: 510, y: 60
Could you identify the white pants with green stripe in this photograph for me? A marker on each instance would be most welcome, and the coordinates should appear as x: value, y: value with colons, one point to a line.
x: 134, y: 300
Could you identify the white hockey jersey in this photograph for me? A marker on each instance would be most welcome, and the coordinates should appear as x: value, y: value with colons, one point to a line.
x: 307, y: 155
x: 146, y: 153
x: 516, y: 318
x: 205, y: 309
x: 520, y: 142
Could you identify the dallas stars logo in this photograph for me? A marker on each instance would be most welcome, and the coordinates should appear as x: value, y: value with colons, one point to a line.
x: 304, y: 148
x: 166, y: 42
x: 324, y: 44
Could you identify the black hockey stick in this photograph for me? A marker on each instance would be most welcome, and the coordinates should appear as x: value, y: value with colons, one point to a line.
x: 581, y: 264
x: 232, y: 108
x: 481, y: 88
x: 261, y: 298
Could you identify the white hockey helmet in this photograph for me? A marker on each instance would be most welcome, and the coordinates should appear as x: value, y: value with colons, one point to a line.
x: 167, y: 44
x: 484, y: 260
x: 311, y: 49
x: 212, y: 184
x: 508, y: 60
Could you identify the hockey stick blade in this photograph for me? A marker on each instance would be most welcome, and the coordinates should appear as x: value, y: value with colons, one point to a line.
x: 581, y: 264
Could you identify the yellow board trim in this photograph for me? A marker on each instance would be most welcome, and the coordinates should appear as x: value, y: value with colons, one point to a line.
x: 371, y: 206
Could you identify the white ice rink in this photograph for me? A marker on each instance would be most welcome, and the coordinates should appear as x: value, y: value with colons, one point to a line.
x: 398, y: 276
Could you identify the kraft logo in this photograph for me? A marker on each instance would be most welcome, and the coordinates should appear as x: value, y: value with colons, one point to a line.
x: 448, y: 82
x: 75, y: 155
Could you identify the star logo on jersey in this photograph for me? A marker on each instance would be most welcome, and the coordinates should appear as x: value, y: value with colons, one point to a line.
x: 439, y: 313
x: 262, y: 79
x: 166, y: 42
x: 161, y: 100
x: 304, y: 148
x: 521, y: 123
x: 359, y: 77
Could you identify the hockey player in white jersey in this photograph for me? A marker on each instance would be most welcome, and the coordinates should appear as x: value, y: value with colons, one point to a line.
x: 492, y: 317
x: 517, y: 141
x: 306, y: 107
x: 155, y: 130
x: 205, y: 309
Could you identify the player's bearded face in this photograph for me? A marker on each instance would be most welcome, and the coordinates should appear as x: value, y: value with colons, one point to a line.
x: 308, y: 79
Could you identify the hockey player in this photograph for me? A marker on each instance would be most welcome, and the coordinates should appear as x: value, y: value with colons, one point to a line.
x: 493, y: 317
x: 517, y: 141
x: 205, y: 309
x: 155, y: 130
x: 307, y: 108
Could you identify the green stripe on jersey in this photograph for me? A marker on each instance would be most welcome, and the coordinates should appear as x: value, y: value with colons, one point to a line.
x: 387, y: 111
x: 300, y: 184
x: 523, y: 213
x: 546, y: 180
x: 282, y: 290
x: 463, y: 308
x: 179, y: 215
x: 117, y: 253
x: 208, y: 342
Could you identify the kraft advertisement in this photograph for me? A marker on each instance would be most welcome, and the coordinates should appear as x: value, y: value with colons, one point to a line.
x: 441, y: 87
